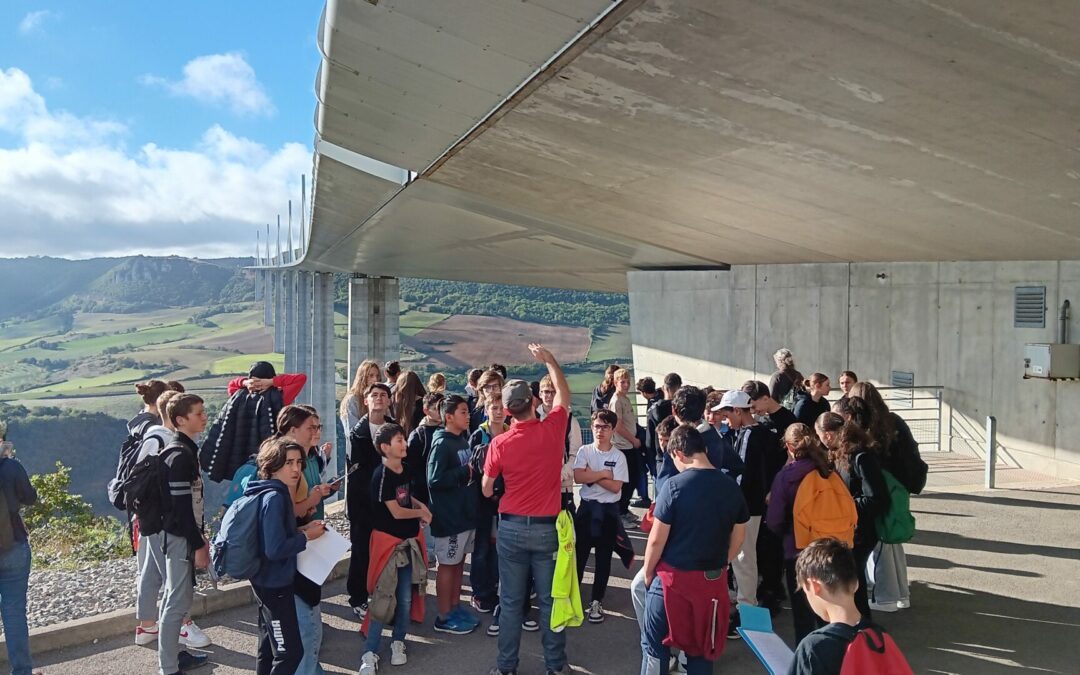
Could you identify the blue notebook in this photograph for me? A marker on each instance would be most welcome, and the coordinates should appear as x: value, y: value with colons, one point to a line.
x: 756, y: 630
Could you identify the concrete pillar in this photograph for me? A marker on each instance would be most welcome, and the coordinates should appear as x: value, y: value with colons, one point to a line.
x: 278, y: 283
x: 290, y: 320
x: 374, y: 320
x: 266, y: 280
x: 321, y: 384
x: 258, y: 284
x: 303, y: 328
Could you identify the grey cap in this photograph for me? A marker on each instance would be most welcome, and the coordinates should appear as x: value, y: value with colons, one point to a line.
x: 516, y: 395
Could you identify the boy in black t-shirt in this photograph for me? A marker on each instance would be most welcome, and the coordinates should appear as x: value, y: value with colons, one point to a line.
x: 396, y: 512
x: 825, y: 570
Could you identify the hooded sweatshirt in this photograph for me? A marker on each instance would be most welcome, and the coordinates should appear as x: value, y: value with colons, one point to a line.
x: 280, y: 539
x: 453, y: 499
x: 779, y: 516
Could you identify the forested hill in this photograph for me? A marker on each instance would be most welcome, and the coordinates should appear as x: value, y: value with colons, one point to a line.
x: 525, y: 303
x: 37, y: 287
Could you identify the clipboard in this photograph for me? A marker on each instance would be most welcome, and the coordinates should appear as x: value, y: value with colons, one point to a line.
x: 756, y: 630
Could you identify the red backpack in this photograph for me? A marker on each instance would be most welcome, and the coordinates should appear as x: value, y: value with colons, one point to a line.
x: 873, y: 652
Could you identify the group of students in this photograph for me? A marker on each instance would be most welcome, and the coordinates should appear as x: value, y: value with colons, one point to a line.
x: 432, y: 475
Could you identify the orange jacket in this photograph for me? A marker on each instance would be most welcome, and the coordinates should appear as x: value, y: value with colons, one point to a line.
x: 382, y: 547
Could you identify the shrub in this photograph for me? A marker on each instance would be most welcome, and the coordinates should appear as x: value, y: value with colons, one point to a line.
x: 64, y: 532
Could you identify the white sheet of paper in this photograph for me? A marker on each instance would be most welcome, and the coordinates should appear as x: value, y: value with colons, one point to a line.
x: 320, y: 556
x: 770, y: 649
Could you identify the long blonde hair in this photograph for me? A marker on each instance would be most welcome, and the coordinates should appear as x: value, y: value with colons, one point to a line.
x: 359, y: 385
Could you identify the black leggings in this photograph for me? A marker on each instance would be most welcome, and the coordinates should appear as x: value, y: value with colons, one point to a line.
x: 360, y: 536
x: 862, y: 553
x: 280, y: 647
x: 633, y: 460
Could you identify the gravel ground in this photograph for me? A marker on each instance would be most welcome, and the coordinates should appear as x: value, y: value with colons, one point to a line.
x: 55, y: 596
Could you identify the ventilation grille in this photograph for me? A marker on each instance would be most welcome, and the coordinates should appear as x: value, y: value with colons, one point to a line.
x: 901, y: 395
x: 1029, y: 307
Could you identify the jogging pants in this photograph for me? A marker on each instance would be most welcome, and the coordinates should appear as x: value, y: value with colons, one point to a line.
x: 173, y: 555
x: 280, y: 647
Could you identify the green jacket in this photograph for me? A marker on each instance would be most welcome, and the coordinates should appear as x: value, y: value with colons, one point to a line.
x: 565, y: 592
x: 453, y: 498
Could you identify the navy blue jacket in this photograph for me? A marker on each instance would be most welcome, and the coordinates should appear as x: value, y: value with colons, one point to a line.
x: 281, y: 541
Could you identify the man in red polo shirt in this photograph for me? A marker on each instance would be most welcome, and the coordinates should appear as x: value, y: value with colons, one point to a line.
x: 529, y: 457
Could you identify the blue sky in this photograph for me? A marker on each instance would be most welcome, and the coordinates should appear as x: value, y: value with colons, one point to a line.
x: 152, y: 127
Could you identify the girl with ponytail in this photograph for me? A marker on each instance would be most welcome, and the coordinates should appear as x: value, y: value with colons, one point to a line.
x: 805, y: 454
x: 854, y: 454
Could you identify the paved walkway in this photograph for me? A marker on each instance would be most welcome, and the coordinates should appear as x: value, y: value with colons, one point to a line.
x: 995, y: 589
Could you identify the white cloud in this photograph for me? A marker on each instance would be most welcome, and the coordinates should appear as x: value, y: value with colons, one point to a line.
x: 219, y: 79
x: 70, y: 187
x: 34, y: 20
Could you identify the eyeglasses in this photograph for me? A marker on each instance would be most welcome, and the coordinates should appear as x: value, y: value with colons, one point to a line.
x: 601, y: 427
x: 316, y: 427
x: 548, y: 391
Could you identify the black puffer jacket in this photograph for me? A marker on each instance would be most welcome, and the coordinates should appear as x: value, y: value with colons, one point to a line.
x: 245, y: 421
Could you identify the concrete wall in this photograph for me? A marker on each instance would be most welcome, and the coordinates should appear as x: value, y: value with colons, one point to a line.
x: 949, y: 323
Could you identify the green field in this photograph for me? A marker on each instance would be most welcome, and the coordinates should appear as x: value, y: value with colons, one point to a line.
x: 413, y: 321
x: 238, y: 365
x: 128, y: 375
x: 610, y: 345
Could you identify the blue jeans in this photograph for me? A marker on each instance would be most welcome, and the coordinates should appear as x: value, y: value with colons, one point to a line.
x: 525, y: 548
x: 401, y: 613
x: 14, y: 578
x: 309, y: 619
x: 654, y: 661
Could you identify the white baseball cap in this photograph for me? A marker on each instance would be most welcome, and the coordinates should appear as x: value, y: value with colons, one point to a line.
x: 733, y: 398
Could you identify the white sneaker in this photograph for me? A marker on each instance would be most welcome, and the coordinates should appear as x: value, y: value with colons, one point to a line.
x: 397, y: 653
x: 144, y: 636
x: 369, y: 663
x: 193, y: 636
x: 596, y: 612
x: 885, y: 606
x: 903, y: 603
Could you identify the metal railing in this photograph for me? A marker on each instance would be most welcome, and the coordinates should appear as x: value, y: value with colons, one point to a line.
x: 920, y: 407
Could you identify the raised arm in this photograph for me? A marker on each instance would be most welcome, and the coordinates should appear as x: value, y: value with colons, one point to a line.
x: 562, y: 389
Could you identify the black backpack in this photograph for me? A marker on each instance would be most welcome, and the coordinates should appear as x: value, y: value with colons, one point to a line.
x: 129, y: 453
x: 146, y: 491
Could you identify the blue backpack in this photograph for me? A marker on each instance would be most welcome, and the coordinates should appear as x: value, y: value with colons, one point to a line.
x: 237, y: 548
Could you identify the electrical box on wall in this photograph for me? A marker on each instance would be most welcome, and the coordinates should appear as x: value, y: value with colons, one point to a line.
x: 1051, y: 361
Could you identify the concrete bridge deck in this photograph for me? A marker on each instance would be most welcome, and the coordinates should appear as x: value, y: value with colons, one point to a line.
x: 995, y: 587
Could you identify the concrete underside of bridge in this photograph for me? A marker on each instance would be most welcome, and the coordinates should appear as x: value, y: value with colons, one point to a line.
x: 582, y: 143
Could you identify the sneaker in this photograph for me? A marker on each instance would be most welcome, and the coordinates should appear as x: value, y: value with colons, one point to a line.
x: 903, y: 603
x: 465, y: 616
x: 630, y: 521
x: 483, y: 607
x: 360, y: 610
x: 369, y: 663
x: 193, y: 636
x: 596, y: 612
x: 144, y: 636
x: 188, y: 661
x: 885, y: 606
x: 496, y: 671
x: 733, y: 624
x: 530, y: 625
x: 493, y: 627
x: 397, y: 653
x: 641, y: 503
x: 453, y: 625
